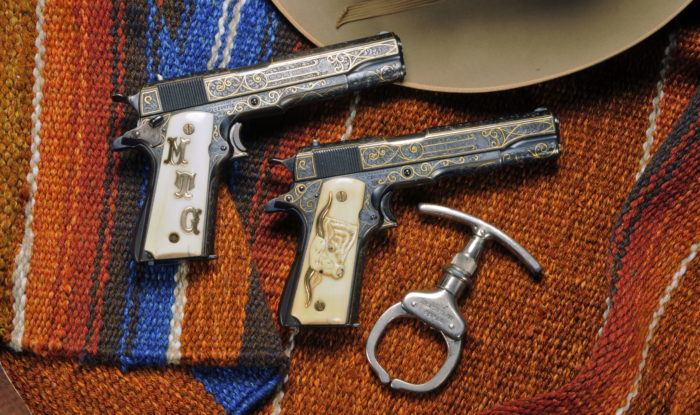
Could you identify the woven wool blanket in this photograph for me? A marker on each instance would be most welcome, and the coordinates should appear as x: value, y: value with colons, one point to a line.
x: 611, y: 328
x: 75, y: 290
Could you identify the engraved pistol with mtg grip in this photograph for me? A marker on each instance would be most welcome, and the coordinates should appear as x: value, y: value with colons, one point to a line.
x: 189, y: 126
x: 341, y: 192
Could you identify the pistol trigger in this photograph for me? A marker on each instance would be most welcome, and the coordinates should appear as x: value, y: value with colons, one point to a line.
x: 389, y: 221
x: 234, y: 137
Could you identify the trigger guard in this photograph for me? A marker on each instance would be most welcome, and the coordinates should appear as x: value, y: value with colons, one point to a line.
x: 388, y: 219
x: 234, y: 137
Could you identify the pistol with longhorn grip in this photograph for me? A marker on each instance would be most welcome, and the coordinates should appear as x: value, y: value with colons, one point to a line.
x: 341, y: 192
x: 189, y: 126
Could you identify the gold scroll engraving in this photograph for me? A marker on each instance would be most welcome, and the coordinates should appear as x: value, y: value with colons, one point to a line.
x: 302, y: 195
x: 304, y: 167
x: 424, y: 169
x: 318, y: 88
x: 542, y: 150
x: 462, y: 141
x: 502, y: 135
x: 296, y: 70
x: 150, y: 101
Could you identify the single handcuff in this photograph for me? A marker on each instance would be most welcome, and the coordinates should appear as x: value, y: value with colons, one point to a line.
x: 438, y: 309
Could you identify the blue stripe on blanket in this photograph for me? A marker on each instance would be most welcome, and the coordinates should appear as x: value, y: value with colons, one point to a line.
x: 150, y: 296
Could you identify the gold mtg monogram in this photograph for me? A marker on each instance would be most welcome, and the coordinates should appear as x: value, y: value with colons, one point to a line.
x: 184, y: 180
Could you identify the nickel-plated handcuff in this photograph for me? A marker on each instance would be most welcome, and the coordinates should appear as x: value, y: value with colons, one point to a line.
x: 438, y: 308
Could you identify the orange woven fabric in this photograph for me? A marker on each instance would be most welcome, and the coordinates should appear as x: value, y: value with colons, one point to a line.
x: 671, y: 384
x: 83, y: 296
x: 56, y: 386
x: 17, y: 59
x: 525, y: 338
x: 76, y: 291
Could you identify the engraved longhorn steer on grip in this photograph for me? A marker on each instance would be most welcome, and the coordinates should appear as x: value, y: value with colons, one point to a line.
x: 189, y: 126
x: 342, y: 192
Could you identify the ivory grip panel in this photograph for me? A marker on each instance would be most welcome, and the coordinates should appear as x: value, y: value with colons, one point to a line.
x: 178, y: 211
x: 324, y: 286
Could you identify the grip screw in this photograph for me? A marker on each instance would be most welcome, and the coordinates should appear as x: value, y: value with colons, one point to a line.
x: 188, y: 128
x: 319, y: 305
x: 173, y: 237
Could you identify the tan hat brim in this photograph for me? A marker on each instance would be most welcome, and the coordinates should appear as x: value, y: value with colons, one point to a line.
x: 481, y: 46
